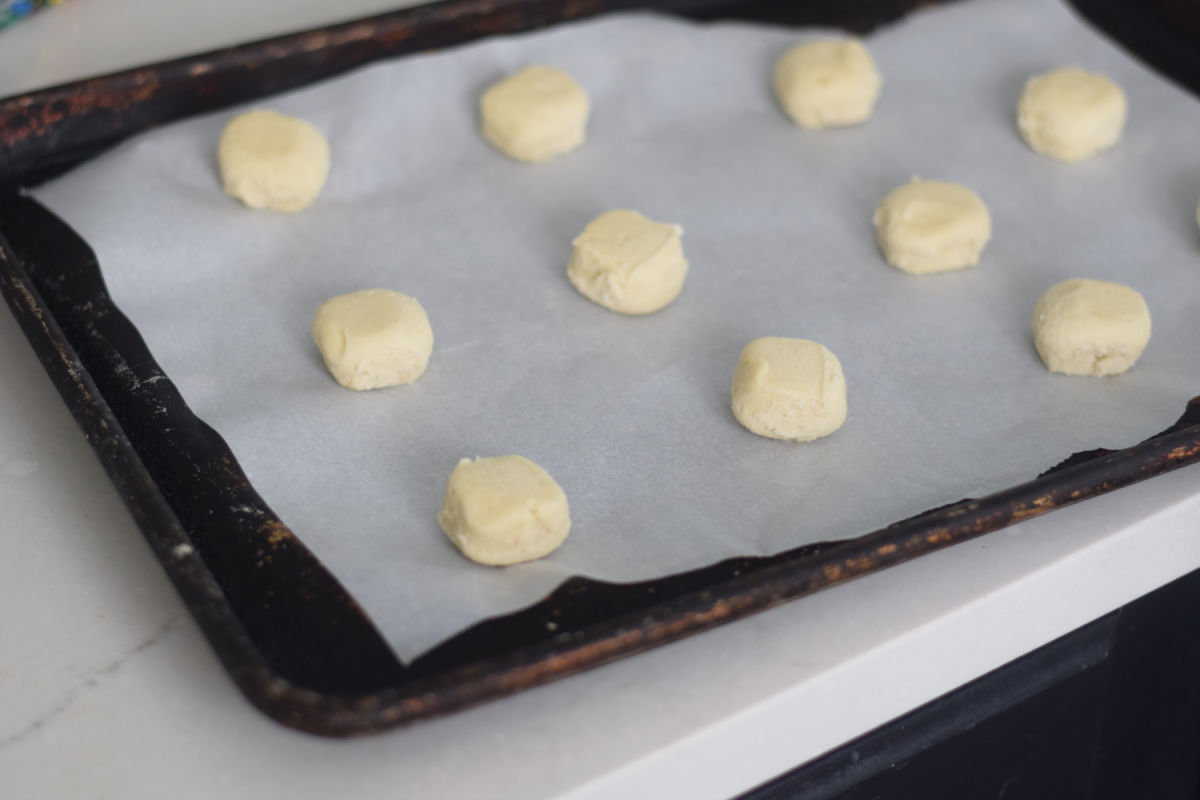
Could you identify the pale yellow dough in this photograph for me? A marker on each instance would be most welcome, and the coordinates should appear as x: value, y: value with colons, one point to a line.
x: 789, y: 389
x: 373, y: 338
x: 1088, y: 327
x: 504, y: 510
x: 1070, y: 114
x: 932, y: 226
x: 272, y: 161
x: 827, y: 83
x: 535, y: 114
x: 628, y: 263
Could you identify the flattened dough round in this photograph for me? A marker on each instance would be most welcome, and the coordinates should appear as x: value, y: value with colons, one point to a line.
x: 1071, y: 114
x: 827, y: 83
x: 535, y: 114
x: 1088, y: 327
x: 932, y: 226
x: 273, y: 161
x: 789, y: 389
x: 504, y: 510
x: 628, y: 263
x: 373, y: 338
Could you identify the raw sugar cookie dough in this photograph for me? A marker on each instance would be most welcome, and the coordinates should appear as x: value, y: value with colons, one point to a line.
x: 535, y: 114
x: 932, y: 226
x: 373, y: 338
x: 1070, y: 114
x: 789, y: 389
x: 272, y: 161
x: 1088, y: 327
x: 504, y: 510
x: 628, y: 263
x: 827, y: 83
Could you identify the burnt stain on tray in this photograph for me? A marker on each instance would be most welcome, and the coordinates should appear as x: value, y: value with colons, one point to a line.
x: 292, y: 638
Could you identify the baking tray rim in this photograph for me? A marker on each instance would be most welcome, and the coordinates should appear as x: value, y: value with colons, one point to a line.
x: 744, y: 585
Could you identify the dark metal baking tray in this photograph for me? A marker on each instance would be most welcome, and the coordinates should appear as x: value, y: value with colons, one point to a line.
x: 294, y: 641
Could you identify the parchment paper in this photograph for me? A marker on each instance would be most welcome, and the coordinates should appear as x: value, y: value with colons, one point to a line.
x: 631, y: 415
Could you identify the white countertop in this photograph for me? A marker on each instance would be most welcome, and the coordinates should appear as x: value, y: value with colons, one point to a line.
x: 107, y: 688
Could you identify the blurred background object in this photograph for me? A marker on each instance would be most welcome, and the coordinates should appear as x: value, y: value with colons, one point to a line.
x: 13, y: 11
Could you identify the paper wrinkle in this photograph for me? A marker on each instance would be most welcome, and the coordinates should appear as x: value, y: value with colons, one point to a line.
x: 947, y: 397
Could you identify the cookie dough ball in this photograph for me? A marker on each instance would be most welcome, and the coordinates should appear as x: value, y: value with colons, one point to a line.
x: 373, y: 338
x: 628, y: 263
x: 504, y: 510
x: 932, y: 226
x: 273, y: 161
x: 789, y: 389
x: 827, y: 83
x: 535, y: 115
x: 1070, y: 114
x: 1087, y: 327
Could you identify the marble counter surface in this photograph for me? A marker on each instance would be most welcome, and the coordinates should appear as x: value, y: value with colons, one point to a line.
x: 108, y: 690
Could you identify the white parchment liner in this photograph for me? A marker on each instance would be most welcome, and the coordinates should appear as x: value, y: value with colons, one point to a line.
x: 631, y: 415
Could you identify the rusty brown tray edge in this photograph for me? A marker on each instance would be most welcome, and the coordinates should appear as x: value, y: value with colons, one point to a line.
x: 760, y: 584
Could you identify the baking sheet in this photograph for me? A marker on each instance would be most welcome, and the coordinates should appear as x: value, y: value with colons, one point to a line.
x: 947, y: 395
